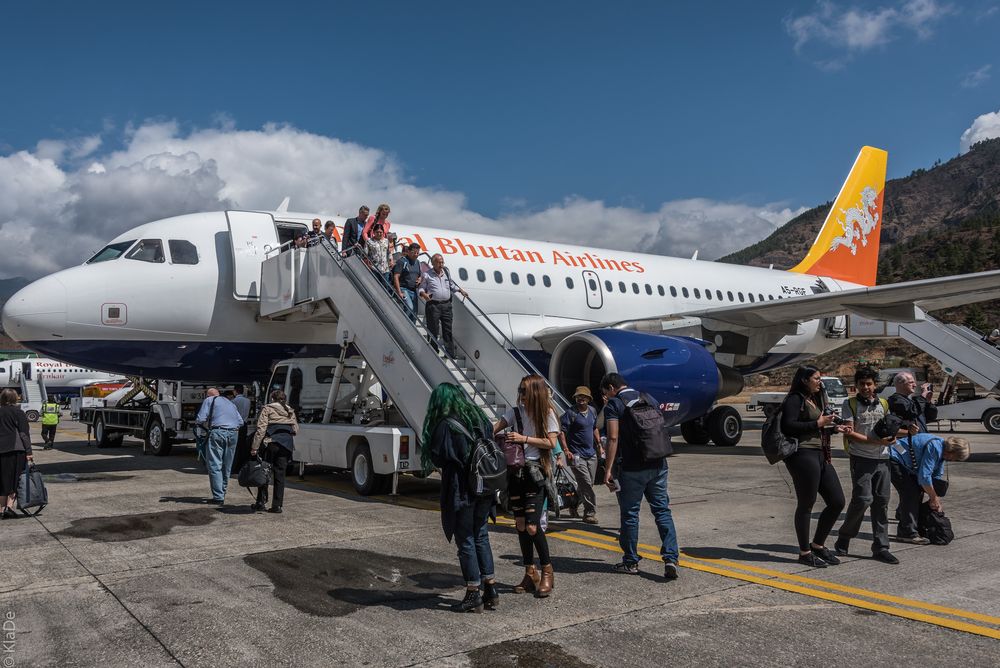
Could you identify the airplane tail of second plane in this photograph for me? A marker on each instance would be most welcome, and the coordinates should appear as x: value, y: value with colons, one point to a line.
x: 846, y: 247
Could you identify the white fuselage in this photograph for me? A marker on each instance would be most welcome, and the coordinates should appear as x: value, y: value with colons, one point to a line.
x: 172, y: 320
x: 57, y: 376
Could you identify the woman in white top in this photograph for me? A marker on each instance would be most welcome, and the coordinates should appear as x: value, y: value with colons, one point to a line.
x: 535, y: 429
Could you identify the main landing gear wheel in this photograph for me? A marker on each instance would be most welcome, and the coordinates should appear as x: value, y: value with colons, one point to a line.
x: 157, y: 441
x: 694, y: 432
x: 363, y: 475
x: 724, y: 425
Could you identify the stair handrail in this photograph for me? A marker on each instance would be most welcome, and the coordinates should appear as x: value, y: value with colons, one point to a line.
x: 557, y: 398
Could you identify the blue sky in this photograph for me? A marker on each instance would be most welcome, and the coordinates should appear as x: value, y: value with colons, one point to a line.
x: 518, y: 107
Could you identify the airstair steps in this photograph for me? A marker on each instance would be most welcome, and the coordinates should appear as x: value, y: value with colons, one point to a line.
x: 407, y: 363
x: 959, y: 349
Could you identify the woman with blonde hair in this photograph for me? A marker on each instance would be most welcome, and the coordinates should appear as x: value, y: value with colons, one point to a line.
x: 535, y: 431
x: 276, y: 430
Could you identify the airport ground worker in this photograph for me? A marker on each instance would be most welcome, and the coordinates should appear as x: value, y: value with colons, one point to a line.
x: 50, y: 421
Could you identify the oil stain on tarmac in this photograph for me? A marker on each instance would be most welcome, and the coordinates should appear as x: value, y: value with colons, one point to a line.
x: 524, y: 654
x: 332, y: 582
x: 137, y: 527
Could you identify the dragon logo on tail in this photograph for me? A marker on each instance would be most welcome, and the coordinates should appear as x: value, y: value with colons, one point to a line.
x: 858, y: 222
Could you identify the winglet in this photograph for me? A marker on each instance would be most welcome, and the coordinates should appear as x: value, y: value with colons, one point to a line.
x: 283, y: 207
x: 846, y: 247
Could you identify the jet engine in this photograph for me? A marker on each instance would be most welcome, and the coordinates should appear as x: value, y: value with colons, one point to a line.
x: 678, y: 371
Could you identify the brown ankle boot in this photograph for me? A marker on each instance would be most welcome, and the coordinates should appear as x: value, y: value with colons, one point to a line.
x: 548, y: 582
x: 530, y: 581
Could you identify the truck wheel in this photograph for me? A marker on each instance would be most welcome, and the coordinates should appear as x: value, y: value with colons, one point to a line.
x: 363, y: 475
x: 991, y: 420
x: 157, y: 441
x: 724, y: 425
x: 101, y: 433
x: 32, y: 416
x: 694, y: 432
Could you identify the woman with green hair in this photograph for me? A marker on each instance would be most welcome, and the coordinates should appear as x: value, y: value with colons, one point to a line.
x: 463, y: 514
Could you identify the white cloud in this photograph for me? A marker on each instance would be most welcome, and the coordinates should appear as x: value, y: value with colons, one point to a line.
x: 64, y: 207
x: 986, y: 126
x: 977, y: 78
x: 832, y: 35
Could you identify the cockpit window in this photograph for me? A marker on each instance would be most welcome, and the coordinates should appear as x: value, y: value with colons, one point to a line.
x: 183, y: 252
x: 147, y: 250
x: 111, y: 252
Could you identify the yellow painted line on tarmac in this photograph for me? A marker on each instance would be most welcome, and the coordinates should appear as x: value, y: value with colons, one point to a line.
x: 610, y: 544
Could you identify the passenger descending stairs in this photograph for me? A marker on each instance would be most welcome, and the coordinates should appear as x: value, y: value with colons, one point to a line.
x: 331, y: 289
x: 959, y: 349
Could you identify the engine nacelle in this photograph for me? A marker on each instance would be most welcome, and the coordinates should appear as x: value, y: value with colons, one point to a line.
x: 678, y: 371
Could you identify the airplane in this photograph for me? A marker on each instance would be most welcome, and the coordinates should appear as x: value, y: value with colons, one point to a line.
x: 178, y: 299
x: 59, y: 377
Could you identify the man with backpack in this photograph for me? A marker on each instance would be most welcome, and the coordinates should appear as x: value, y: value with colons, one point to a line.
x: 638, y: 445
x: 870, y: 475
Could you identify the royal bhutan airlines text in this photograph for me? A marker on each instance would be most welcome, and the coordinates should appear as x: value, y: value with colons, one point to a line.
x: 455, y: 246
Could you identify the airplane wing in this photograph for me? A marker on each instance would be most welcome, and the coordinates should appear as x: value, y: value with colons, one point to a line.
x: 768, y: 321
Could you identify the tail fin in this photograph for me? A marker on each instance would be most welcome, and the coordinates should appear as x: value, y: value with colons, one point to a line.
x: 846, y: 247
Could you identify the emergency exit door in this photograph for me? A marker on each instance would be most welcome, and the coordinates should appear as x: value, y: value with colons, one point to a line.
x: 595, y: 296
x: 252, y: 235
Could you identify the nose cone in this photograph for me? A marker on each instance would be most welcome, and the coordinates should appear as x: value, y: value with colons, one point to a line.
x: 36, y: 312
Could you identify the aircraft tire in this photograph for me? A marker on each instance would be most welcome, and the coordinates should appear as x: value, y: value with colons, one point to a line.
x: 157, y: 441
x: 991, y: 420
x: 724, y: 425
x: 694, y: 432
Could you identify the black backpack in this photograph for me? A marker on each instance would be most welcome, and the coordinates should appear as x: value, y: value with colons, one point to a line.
x: 934, y: 526
x: 487, y: 465
x: 643, y: 428
x: 776, y: 446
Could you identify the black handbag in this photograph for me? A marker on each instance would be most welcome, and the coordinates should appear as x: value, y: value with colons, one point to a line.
x: 31, y: 492
x: 255, y: 473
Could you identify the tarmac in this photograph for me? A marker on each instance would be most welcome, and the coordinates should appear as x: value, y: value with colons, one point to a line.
x: 128, y: 566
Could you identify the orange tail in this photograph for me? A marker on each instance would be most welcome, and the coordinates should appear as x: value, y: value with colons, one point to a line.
x: 847, y: 245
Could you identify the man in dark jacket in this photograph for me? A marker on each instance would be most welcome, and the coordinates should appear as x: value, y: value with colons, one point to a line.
x: 915, y: 408
x: 353, y: 229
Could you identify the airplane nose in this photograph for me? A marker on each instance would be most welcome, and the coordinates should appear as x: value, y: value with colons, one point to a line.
x: 36, y: 312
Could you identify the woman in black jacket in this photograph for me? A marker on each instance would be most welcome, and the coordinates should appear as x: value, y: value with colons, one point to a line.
x: 463, y: 514
x: 806, y: 418
x: 15, y: 450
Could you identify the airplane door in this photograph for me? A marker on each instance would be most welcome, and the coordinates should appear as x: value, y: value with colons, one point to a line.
x: 251, y: 234
x: 595, y: 296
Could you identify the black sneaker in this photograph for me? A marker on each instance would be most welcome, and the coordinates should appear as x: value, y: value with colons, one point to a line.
x: 886, y: 557
x: 826, y: 555
x: 473, y: 602
x: 625, y: 567
x: 840, y: 547
x: 812, y: 560
x: 669, y: 570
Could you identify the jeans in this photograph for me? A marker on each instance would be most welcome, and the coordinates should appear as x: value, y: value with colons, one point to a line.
x: 651, y: 483
x: 220, y: 453
x: 410, y: 302
x: 585, y: 471
x: 475, y: 555
x: 910, y: 495
x: 869, y: 488
x: 439, y: 317
x: 278, y: 457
